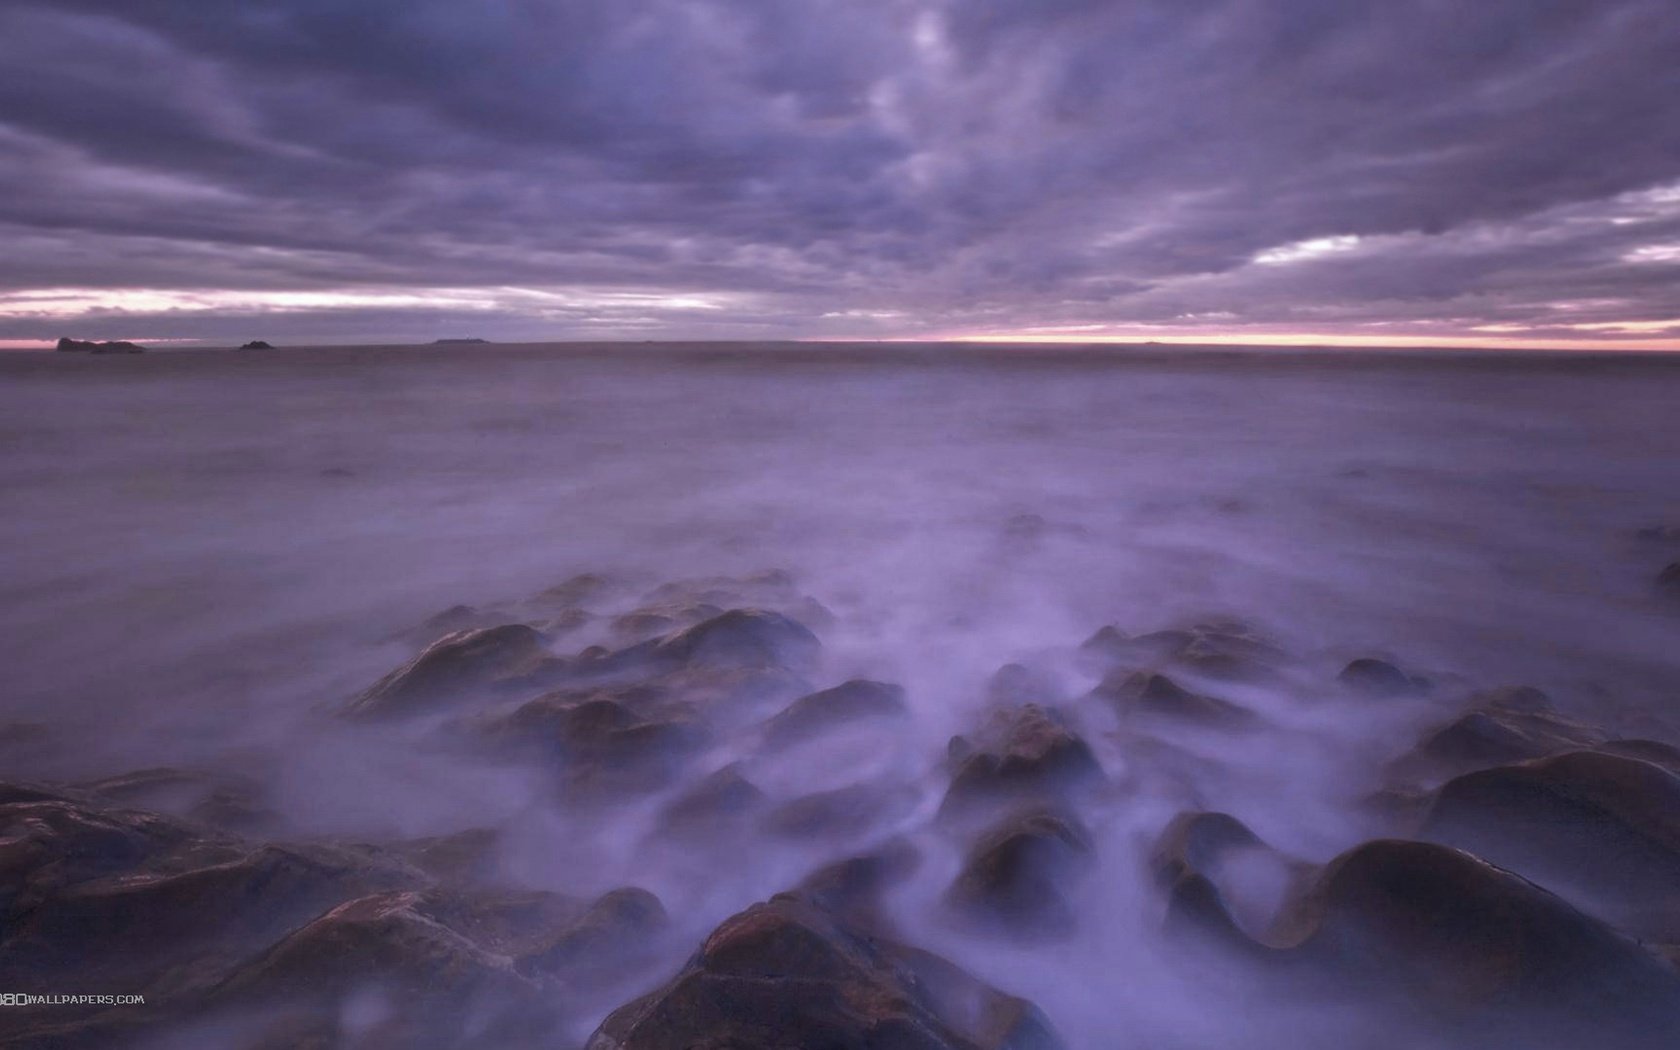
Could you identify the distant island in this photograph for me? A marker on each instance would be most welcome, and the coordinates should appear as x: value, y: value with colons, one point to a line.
x: 458, y: 342
x: 256, y: 344
x: 77, y: 346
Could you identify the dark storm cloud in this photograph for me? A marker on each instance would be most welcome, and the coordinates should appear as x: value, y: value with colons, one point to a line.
x: 744, y: 167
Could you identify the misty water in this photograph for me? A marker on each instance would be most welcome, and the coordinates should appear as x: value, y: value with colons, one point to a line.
x: 207, y: 554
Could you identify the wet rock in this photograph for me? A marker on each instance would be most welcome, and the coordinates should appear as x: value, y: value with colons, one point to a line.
x: 842, y: 813
x: 1023, y: 755
x: 1015, y: 880
x: 256, y: 344
x: 1016, y: 684
x: 1668, y: 583
x: 853, y: 889
x: 1455, y: 942
x: 723, y: 802
x: 1147, y: 695
x: 1601, y: 826
x: 1502, y: 726
x: 788, y: 974
x: 654, y: 620
x: 462, y: 666
x: 1379, y: 678
x: 228, y: 802
x: 464, y: 857
x: 575, y: 591
x: 607, y: 940
x: 1228, y: 649
x: 1197, y: 844
x: 858, y: 700
x: 744, y: 638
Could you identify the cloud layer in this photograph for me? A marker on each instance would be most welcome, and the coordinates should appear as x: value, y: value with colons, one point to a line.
x: 397, y: 169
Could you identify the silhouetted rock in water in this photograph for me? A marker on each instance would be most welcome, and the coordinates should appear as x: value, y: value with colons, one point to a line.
x: 1202, y: 854
x: 459, y: 667
x: 78, y: 346
x: 1024, y: 754
x: 1664, y: 534
x: 256, y: 344
x: 841, y: 813
x: 1602, y: 828
x: 1197, y: 844
x: 1379, y: 678
x: 715, y: 809
x: 1146, y: 696
x: 1014, y: 880
x: 1227, y: 649
x: 788, y: 974
x: 460, y: 342
x: 1455, y: 943
x: 1668, y: 583
x: 1502, y: 726
x: 858, y: 700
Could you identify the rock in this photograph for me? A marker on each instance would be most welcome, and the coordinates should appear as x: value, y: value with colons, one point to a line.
x: 842, y: 813
x: 1602, y: 826
x: 607, y: 940
x: 1146, y: 695
x: 858, y: 700
x: 719, y: 804
x: 1014, y: 880
x: 1198, y: 843
x: 852, y: 890
x: 461, y: 666
x: 1451, y: 940
x: 1016, y: 684
x: 256, y: 344
x: 1228, y: 649
x: 1668, y: 582
x: 1378, y: 678
x: 115, y: 347
x: 1025, y: 755
x: 223, y: 801
x: 744, y: 638
x: 1502, y: 726
x: 1665, y: 534
x: 788, y: 974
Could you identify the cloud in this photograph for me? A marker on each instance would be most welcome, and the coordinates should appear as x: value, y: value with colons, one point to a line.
x: 889, y: 167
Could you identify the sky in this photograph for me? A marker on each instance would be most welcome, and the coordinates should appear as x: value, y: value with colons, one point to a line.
x: 1395, y: 172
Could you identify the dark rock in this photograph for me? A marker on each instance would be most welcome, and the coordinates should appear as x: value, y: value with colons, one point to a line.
x: 1378, y: 678
x: 857, y: 700
x: 256, y: 344
x: 788, y: 974
x: 1659, y: 534
x: 1502, y: 726
x: 744, y: 638
x: 721, y: 802
x: 1016, y: 684
x: 1198, y: 844
x: 457, y: 667
x: 115, y: 347
x: 1668, y: 582
x: 608, y: 939
x: 1458, y: 943
x: 852, y: 890
x: 1146, y: 695
x: 1015, y: 879
x: 1024, y: 755
x: 841, y: 813
x: 1601, y: 826
x: 1228, y: 649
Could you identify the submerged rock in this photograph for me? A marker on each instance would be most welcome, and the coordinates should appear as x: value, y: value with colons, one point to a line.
x: 1147, y: 695
x: 1603, y: 826
x: 788, y: 974
x: 1668, y: 583
x: 457, y: 667
x: 1379, y: 678
x: 858, y: 700
x: 1015, y: 879
x: 1229, y: 649
x: 1026, y: 754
